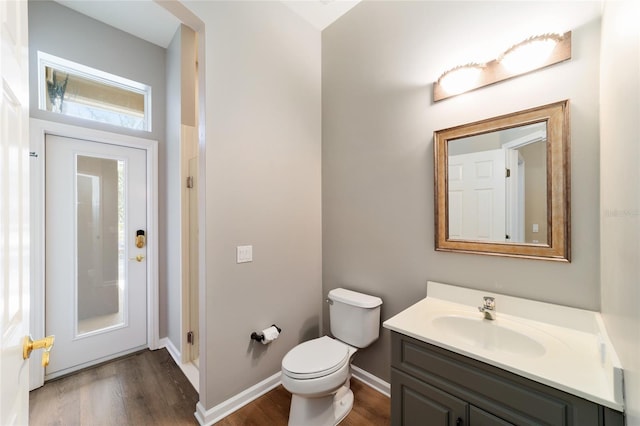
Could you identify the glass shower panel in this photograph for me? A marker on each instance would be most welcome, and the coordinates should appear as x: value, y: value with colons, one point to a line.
x: 100, y: 219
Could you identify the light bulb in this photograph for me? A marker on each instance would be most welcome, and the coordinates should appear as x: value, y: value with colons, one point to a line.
x: 529, y: 54
x: 461, y: 79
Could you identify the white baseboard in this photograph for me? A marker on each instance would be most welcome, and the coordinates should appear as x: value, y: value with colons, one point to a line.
x: 372, y: 381
x: 208, y: 417
x: 173, y: 351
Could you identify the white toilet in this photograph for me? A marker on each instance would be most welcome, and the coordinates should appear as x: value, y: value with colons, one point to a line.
x: 317, y: 372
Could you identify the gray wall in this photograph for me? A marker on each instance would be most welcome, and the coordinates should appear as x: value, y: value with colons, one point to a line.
x: 535, y: 160
x: 62, y: 32
x: 262, y: 165
x: 620, y: 190
x: 378, y: 65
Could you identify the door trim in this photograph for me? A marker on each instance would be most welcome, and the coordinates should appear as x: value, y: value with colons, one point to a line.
x: 38, y: 131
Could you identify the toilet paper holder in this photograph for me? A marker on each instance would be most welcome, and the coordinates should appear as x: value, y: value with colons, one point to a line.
x: 259, y: 336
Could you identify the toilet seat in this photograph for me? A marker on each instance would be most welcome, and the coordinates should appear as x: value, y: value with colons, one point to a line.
x: 315, y: 358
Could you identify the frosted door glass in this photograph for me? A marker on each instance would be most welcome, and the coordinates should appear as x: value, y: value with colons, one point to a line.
x: 100, y: 249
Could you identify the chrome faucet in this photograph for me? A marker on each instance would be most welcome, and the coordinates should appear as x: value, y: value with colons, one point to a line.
x: 488, y: 308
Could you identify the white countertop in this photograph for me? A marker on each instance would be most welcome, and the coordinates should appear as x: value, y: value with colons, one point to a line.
x: 562, y: 347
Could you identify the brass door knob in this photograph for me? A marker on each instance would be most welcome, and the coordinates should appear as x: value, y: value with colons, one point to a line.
x: 29, y: 345
x: 138, y: 258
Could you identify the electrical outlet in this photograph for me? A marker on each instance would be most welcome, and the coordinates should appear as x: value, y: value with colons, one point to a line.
x: 244, y: 254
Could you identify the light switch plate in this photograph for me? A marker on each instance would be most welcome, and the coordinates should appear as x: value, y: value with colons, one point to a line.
x: 244, y: 254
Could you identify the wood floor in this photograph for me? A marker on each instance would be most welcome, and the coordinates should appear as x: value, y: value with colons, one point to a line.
x: 148, y: 388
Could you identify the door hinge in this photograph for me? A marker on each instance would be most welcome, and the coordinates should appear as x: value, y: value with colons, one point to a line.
x: 507, y: 172
x: 189, y: 181
x: 190, y: 338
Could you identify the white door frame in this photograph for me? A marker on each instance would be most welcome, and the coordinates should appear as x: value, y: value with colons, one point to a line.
x: 38, y: 131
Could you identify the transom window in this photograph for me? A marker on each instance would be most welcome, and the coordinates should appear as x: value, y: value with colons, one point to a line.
x: 76, y: 90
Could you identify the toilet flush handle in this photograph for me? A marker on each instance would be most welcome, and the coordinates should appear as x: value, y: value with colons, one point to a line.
x: 329, y: 301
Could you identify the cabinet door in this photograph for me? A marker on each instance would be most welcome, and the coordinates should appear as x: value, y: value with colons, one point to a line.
x: 415, y: 403
x: 478, y: 417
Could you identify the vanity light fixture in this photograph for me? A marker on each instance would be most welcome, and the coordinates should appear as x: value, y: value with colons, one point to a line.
x: 529, y: 55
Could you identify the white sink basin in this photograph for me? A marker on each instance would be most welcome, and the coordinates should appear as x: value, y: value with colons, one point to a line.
x: 494, y: 336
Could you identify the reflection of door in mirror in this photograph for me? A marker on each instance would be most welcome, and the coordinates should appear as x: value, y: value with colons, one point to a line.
x: 497, y: 186
x: 476, y: 196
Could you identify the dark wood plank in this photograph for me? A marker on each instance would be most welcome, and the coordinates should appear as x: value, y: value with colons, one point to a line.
x: 101, y: 398
x: 369, y: 407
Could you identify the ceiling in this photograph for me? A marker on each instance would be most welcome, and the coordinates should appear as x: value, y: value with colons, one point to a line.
x: 149, y: 21
x: 320, y: 13
x: 144, y: 19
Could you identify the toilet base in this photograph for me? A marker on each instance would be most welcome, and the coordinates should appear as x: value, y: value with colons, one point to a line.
x: 342, y: 403
x: 324, y: 411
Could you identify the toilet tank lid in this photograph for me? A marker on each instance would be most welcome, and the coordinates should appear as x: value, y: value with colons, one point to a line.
x: 354, y: 298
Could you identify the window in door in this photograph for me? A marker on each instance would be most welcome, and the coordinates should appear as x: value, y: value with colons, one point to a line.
x: 100, y: 219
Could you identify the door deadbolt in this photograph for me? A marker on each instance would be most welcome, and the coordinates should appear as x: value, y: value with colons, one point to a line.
x: 140, y: 238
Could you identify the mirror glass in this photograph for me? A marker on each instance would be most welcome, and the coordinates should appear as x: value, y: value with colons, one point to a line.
x: 502, y: 185
x: 497, y: 186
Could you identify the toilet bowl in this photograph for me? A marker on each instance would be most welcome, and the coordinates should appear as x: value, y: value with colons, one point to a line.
x: 317, y: 366
x: 314, y: 372
x: 318, y: 372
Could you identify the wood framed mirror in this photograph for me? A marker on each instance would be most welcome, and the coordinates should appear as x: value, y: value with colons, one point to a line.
x: 502, y: 185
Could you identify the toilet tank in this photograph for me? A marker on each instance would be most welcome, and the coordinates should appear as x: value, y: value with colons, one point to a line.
x: 354, y: 317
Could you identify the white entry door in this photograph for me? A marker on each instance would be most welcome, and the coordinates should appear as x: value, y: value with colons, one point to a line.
x: 477, y: 196
x: 96, y: 273
x: 14, y: 213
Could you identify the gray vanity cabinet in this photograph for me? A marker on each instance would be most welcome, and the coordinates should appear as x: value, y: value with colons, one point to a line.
x: 413, y: 401
x: 431, y: 386
x: 478, y: 417
x: 417, y: 401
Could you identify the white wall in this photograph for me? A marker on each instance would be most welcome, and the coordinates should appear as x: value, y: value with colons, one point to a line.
x: 620, y: 190
x: 379, y: 62
x: 262, y: 163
